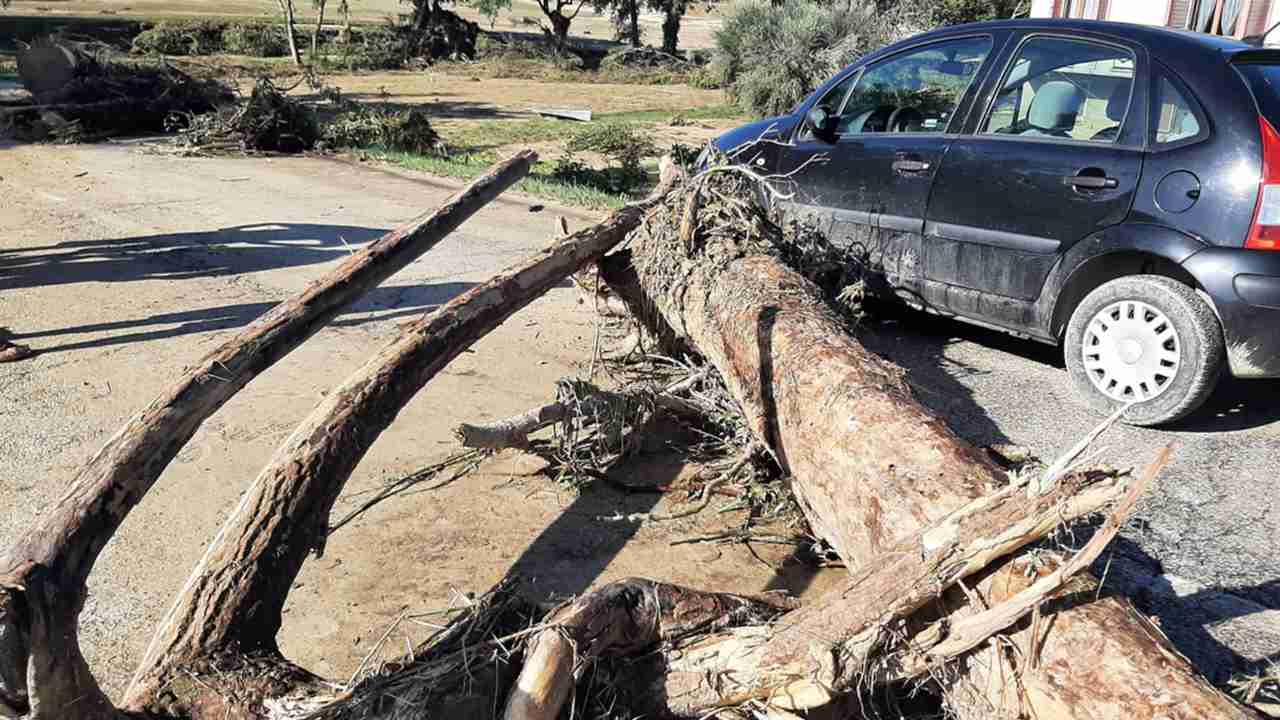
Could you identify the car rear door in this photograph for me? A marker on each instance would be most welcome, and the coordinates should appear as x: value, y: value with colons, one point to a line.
x: 1054, y: 154
x: 867, y: 182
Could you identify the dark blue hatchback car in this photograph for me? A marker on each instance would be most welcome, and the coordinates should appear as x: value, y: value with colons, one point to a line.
x: 1111, y: 188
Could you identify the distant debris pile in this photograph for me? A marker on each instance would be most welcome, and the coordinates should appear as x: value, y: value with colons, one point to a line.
x: 77, y: 96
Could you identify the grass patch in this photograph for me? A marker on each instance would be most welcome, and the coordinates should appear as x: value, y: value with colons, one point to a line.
x: 540, y: 183
x: 668, y: 117
x: 546, y: 70
x: 479, y: 135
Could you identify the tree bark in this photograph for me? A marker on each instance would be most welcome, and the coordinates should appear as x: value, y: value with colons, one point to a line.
x: 315, y: 33
x: 233, y: 601
x: 673, y: 12
x: 868, y: 463
x: 57, y: 556
x: 290, y: 27
x: 777, y: 664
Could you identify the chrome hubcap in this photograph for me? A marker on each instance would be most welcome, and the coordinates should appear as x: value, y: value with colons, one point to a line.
x: 1131, y: 351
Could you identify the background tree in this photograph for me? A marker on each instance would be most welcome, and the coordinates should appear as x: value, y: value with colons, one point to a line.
x: 319, y: 5
x: 286, y: 7
x: 561, y: 14
x: 490, y: 8
x: 672, y: 13
x: 626, y: 19
x: 424, y: 12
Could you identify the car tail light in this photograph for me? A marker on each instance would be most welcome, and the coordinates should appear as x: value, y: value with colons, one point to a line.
x: 1264, y: 234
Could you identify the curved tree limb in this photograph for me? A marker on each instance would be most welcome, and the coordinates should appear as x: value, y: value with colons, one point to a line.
x: 234, y: 599
x: 62, y: 549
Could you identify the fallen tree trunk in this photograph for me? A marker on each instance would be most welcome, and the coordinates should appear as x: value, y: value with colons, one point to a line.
x: 54, y: 559
x: 868, y: 463
x: 774, y: 663
x: 233, y: 601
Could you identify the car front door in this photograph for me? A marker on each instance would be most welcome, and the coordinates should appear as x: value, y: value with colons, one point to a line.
x: 865, y: 179
x: 1055, y: 156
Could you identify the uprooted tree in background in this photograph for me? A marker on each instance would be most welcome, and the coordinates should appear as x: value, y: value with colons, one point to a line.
x: 77, y: 96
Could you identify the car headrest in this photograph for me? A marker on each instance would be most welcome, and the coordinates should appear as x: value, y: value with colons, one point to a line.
x: 1118, y: 103
x: 1055, y: 106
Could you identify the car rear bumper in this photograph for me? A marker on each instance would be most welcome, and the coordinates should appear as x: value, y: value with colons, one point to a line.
x: 1244, y: 286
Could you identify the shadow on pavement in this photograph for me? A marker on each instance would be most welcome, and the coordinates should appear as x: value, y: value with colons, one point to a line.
x: 226, y: 251
x: 571, y: 553
x: 1235, y: 405
x: 1210, y: 626
x: 917, y: 342
x: 396, y: 301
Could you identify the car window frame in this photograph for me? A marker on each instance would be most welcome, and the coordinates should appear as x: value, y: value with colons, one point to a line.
x: 992, y: 51
x: 1160, y: 71
x: 1130, y: 113
x: 801, y: 133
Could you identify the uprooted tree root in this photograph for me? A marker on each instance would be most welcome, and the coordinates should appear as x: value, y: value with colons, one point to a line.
x: 105, y: 97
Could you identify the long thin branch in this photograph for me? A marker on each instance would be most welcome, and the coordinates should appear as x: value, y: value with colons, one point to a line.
x: 70, y: 535
x: 235, y: 597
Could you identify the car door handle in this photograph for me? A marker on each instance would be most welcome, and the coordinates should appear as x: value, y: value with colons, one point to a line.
x: 910, y: 165
x: 1091, y: 182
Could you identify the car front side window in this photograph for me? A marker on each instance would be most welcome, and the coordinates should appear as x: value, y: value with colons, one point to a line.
x: 1068, y: 89
x: 914, y: 92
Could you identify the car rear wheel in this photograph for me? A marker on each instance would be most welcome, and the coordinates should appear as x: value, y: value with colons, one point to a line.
x: 1145, y: 339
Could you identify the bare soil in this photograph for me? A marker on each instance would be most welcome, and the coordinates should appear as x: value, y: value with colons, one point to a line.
x: 121, y: 265
x: 458, y: 96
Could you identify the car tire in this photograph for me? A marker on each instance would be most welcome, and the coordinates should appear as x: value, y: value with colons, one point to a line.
x: 1147, y: 339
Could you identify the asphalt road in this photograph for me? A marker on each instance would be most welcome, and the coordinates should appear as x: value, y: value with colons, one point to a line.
x: 1203, y: 552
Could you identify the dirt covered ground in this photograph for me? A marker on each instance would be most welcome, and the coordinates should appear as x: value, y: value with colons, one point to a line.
x: 121, y: 266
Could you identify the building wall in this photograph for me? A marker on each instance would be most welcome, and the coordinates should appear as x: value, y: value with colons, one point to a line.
x: 1143, y: 12
x: 1262, y: 13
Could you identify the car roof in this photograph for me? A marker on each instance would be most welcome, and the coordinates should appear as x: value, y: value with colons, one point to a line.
x: 1162, y: 40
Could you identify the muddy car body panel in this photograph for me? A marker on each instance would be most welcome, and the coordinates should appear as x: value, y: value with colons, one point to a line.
x: 1001, y: 172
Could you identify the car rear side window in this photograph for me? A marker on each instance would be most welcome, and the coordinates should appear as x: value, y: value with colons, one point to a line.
x: 1068, y: 89
x: 916, y: 91
x: 1262, y: 75
x: 1176, y: 118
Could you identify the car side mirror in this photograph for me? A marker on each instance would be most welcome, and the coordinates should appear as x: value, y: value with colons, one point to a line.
x: 820, y: 121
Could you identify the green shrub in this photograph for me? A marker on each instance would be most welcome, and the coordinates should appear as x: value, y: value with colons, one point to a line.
x: 255, y: 39
x: 769, y: 58
x: 623, y: 143
x: 211, y: 37
x: 383, y: 47
x: 187, y: 37
x: 362, y: 126
x: 686, y: 156
x: 514, y: 51
x: 707, y: 77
